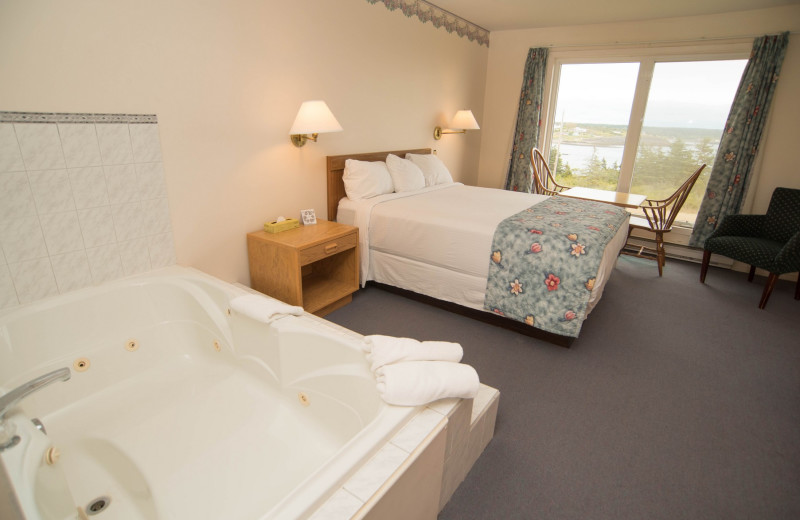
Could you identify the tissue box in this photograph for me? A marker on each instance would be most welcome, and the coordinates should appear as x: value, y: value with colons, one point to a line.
x: 277, y: 227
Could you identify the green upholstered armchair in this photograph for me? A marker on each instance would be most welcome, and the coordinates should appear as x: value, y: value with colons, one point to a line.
x: 770, y: 242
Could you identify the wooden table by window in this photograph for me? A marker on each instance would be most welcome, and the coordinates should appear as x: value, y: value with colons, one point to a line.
x: 617, y: 198
x: 314, y: 266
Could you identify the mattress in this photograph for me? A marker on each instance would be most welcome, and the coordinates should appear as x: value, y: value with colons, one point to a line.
x: 437, y: 241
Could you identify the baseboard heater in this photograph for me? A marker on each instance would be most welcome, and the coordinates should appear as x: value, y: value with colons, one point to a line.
x: 681, y: 252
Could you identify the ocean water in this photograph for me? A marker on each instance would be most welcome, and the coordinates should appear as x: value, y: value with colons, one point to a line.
x: 578, y: 156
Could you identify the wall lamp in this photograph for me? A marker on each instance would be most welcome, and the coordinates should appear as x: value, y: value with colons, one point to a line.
x: 313, y: 118
x: 462, y: 121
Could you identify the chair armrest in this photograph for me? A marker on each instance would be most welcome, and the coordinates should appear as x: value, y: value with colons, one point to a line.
x: 740, y: 225
x: 789, y: 257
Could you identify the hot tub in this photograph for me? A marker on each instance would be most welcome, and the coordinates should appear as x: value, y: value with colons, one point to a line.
x: 178, y: 407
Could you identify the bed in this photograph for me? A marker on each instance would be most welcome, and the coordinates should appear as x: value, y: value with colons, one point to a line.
x: 439, y: 244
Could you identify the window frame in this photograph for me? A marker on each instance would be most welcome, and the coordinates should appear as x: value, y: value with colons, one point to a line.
x: 646, y: 55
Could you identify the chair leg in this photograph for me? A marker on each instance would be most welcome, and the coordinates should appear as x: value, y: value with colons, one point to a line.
x: 662, y: 256
x: 768, y: 290
x: 704, y: 265
x: 752, y: 273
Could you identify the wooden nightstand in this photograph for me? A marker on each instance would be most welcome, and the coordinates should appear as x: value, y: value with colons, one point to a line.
x: 313, y: 266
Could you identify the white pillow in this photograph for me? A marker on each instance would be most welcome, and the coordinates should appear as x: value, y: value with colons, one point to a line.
x: 366, y: 179
x: 432, y: 167
x: 406, y: 175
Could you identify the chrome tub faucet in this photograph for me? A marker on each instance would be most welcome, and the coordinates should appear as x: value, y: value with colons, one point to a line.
x: 10, y: 400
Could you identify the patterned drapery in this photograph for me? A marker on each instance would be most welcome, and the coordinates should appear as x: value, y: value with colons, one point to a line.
x: 529, y: 120
x: 730, y: 175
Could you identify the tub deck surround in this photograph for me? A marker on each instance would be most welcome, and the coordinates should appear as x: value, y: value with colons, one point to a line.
x: 189, y: 410
x: 468, y: 428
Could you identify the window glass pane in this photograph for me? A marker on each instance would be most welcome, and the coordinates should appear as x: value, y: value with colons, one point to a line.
x: 590, y: 123
x: 686, y: 111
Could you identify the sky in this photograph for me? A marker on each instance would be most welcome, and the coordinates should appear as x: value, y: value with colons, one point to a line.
x: 694, y: 94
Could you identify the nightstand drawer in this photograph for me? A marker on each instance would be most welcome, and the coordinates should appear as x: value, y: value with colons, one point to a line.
x: 326, y: 249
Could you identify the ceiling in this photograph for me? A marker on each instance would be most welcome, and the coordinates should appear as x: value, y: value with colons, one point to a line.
x: 498, y: 15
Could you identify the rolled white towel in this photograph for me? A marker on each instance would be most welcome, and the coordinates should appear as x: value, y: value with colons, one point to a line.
x: 262, y: 308
x: 384, y: 350
x: 414, y: 383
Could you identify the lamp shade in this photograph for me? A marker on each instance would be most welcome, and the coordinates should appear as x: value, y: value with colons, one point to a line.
x: 314, y: 117
x: 464, y: 120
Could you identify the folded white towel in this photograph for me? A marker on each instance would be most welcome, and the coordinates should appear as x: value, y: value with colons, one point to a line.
x: 420, y: 382
x: 262, y: 308
x: 383, y: 350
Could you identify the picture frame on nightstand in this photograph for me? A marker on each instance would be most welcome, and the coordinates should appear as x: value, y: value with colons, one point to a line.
x: 308, y: 216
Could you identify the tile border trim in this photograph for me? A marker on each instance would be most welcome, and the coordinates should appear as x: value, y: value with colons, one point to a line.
x: 60, y: 117
x: 428, y: 12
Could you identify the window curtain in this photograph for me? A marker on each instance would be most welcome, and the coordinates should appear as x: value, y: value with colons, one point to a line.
x: 529, y: 120
x: 730, y: 175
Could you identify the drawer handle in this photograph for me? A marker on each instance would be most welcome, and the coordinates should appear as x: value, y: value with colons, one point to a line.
x: 330, y: 248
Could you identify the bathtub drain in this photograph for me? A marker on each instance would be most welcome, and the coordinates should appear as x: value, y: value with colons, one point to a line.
x: 97, y: 506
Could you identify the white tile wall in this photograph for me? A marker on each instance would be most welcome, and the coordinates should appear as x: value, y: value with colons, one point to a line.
x: 40, y: 145
x: 82, y: 201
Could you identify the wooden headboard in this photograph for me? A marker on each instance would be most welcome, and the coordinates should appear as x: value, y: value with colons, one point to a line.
x: 336, y: 171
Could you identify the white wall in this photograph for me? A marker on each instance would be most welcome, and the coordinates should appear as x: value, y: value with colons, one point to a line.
x: 778, y: 163
x: 226, y: 77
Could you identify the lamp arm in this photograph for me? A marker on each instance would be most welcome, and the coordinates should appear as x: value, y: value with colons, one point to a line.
x: 300, y: 139
x: 438, y: 132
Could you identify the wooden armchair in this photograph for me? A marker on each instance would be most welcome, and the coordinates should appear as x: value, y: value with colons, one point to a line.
x: 659, y: 215
x: 770, y: 242
x: 543, y: 181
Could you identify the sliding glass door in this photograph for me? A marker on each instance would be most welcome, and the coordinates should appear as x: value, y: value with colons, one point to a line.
x: 593, y: 109
x: 687, y: 106
x: 639, y: 125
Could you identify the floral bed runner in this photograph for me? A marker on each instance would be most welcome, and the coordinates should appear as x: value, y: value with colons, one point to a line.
x: 545, y: 260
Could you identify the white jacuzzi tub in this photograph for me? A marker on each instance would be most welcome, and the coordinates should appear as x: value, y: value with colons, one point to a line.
x: 187, y: 409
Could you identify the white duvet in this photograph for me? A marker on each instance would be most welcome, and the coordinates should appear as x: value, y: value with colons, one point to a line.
x: 437, y: 241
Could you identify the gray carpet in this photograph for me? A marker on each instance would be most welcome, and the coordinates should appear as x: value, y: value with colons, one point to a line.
x: 679, y: 400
